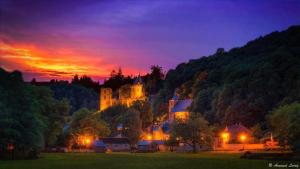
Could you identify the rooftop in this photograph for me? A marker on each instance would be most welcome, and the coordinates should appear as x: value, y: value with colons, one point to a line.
x: 236, y: 129
x: 181, y: 105
x: 115, y: 140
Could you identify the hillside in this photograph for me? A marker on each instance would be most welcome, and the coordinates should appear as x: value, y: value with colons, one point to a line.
x: 243, y: 84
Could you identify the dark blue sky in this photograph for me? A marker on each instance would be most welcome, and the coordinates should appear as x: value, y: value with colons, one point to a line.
x: 60, y: 38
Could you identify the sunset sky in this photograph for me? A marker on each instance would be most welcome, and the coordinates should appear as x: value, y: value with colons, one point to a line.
x: 59, y: 38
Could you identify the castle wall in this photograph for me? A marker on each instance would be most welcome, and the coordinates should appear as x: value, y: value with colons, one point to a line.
x: 106, y: 99
x: 137, y: 91
x: 171, y: 105
x: 127, y: 95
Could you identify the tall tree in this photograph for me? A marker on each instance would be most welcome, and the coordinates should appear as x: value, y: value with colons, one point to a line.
x: 21, y: 123
x: 145, y: 110
x: 193, y: 132
x: 285, y: 123
x: 86, y: 81
x: 54, y: 112
x: 154, y: 80
x: 87, y: 123
x: 117, y: 79
x: 132, y: 125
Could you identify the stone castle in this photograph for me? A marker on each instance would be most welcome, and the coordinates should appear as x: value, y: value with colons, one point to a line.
x: 126, y: 95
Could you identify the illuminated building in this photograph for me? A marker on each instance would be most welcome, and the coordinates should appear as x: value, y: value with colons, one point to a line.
x: 127, y: 94
x: 235, y: 138
x: 178, y: 108
x: 236, y: 133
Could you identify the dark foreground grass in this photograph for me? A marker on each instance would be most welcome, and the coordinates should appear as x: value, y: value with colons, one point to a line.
x: 136, y: 161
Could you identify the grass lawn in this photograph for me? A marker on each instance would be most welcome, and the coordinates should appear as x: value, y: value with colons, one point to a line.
x: 205, y: 160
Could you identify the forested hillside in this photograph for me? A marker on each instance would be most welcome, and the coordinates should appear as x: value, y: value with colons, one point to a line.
x: 243, y: 84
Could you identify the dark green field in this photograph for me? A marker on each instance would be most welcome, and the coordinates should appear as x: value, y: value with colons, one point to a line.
x: 134, y: 161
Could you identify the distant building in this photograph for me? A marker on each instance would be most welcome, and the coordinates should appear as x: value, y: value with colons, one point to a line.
x: 99, y: 146
x: 158, y: 133
x: 236, y: 137
x: 147, y: 146
x: 116, y: 144
x: 126, y: 95
x: 178, y: 108
x: 237, y: 133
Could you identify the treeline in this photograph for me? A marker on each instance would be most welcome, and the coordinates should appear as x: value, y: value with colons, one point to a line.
x: 82, y: 91
x: 153, y: 81
x: 79, y: 93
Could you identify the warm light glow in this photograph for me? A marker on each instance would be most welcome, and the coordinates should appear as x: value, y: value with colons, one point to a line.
x: 87, y: 141
x: 149, y: 137
x: 181, y: 115
x: 225, y: 137
x: 84, y: 140
x: 57, y: 64
x: 243, y: 137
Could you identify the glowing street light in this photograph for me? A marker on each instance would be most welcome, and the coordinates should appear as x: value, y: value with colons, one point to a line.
x: 87, y: 141
x: 149, y: 137
x: 225, y: 137
x: 243, y: 139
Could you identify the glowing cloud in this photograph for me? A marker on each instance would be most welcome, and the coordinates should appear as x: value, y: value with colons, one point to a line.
x: 63, y: 65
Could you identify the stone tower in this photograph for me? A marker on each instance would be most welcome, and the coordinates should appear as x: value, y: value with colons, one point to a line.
x: 105, y: 98
x: 172, y: 103
x: 137, y: 89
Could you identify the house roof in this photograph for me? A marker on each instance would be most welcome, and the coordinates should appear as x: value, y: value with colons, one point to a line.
x: 181, y: 105
x: 144, y: 143
x: 149, y: 142
x: 158, y: 142
x: 115, y: 140
x: 98, y: 143
x: 237, y: 129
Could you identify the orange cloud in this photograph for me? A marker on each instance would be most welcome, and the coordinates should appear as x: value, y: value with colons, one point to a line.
x: 62, y: 64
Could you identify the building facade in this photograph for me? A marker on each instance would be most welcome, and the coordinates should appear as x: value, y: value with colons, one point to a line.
x: 235, y: 138
x: 126, y: 95
x: 179, y: 109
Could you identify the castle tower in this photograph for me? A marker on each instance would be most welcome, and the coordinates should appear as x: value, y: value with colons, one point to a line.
x: 172, y: 103
x: 137, y: 89
x: 105, y: 98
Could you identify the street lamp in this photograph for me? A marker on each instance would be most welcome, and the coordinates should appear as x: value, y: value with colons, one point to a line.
x: 243, y: 139
x: 149, y: 137
x: 87, y: 141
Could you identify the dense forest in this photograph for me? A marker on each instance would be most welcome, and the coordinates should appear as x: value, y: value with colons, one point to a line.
x: 81, y: 92
x: 241, y: 85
